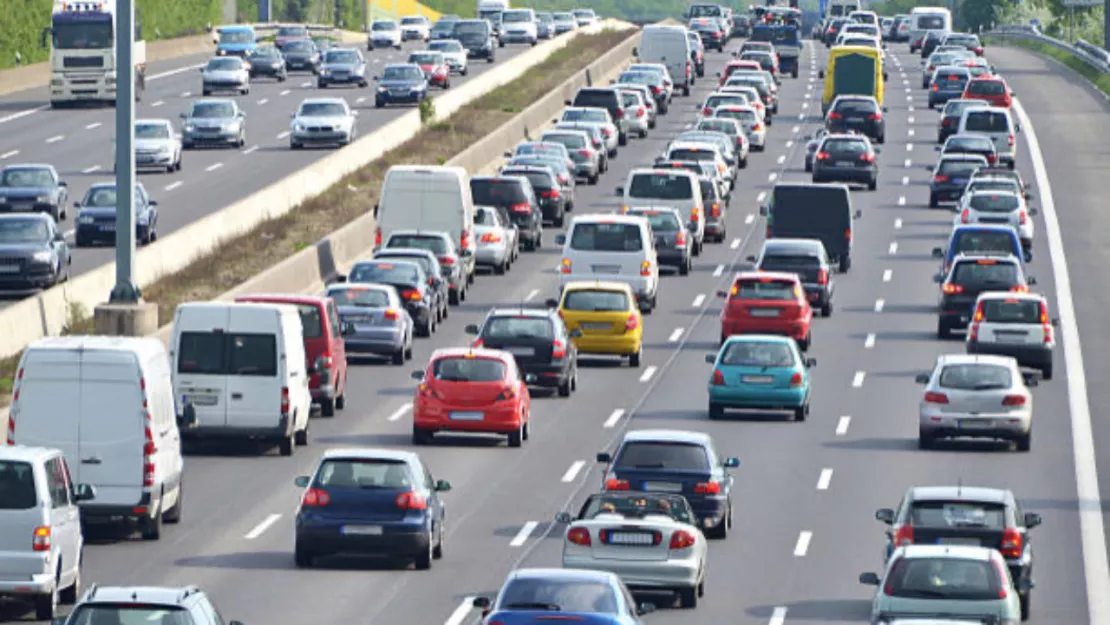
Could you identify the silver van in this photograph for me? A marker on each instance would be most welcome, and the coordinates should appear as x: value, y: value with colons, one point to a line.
x: 997, y: 123
x: 612, y: 248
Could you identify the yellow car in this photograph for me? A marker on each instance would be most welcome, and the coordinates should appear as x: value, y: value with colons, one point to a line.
x: 606, y: 317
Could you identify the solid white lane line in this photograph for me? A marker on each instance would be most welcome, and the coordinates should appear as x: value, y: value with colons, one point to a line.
x: 778, y: 616
x: 213, y: 167
x: 893, y: 248
x: 842, y: 425
x: 89, y: 170
x: 869, y: 342
x: 400, y: 412
x: 802, y: 546
x: 901, y: 200
x: 675, y: 335
x: 749, y: 219
x: 646, y: 375
x: 614, y: 418
x: 92, y: 126
x: 262, y: 527
x: 735, y: 243
x: 898, y: 224
x: 461, y: 612
x: 158, y: 103
x: 887, y: 275
x: 251, y: 150
x: 173, y: 185
x: 55, y: 138
x: 531, y: 294
x: 879, y: 303
x: 572, y: 472
x: 699, y: 300
x: 824, y: 479
x: 1092, y: 533
x: 857, y: 379
x: 522, y: 536
x: 9, y: 154
x: 718, y: 271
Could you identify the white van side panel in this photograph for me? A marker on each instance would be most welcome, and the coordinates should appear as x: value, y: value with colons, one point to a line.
x: 669, y: 46
x: 429, y: 199
x: 48, y: 411
x: 207, y: 393
x: 254, y: 401
x: 112, y: 426
x: 159, y: 389
x: 296, y: 372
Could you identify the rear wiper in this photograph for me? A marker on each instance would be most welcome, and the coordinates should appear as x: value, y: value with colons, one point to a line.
x: 534, y: 605
x: 655, y: 465
x: 989, y: 387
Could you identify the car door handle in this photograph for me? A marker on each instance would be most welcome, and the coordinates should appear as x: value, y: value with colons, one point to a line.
x: 91, y: 460
x: 237, y: 396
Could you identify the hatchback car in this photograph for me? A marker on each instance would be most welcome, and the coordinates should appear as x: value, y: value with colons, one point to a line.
x: 674, y: 244
x: 96, y: 216
x: 529, y: 594
x: 401, y: 84
x: 323, y: 121
x: 538, y: 340
x: 267, y: 61
x: 759, y: 372
x: 949, y: 122
x: 34, y: 188
x: 379, y: 324
x: 435, y: 68
x: 1015, y: 325
x: 991, y: 89
x: 157, y: 145
x: 807, y: 259
x: 846, y: 158
x: 587, y: 160
x: 999, y: 207
x: 950, y: 177
x: 301, y: 56
x: 498, y: 243
x: 137, y: 604
x: 972, y: 274
x: 455, y: 267
x: 970, y: 143
x: 947, y: 83
x: 454, y: 54
x: 603, y: 319
x: 749, y: 119
x: 384, y: 34
x: 226, y: 73
x: 420, y: 299
x: 431, y: 266
x: 365, y: 501
x: 472, y: 390
x: 767, y: 303
x: 342, y: 66
x: 859, y: 113
x: 546, y: 188
x: 595, y: 116
x: 217, y: 123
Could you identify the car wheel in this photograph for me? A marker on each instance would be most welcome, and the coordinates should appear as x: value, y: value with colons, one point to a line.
x: 716, y: 411
x: 46, y: 606
x: 565, y: 387
x: 684, y: 268
x: 634, y: 359
x: 453, y: 298
x: 943, y: 331
x: 437, y: 552
x: 1025, y: 441
x: 801, y: 411
x: 688, y: 598
x: 924, y: 440
x: 423, y: 559
x: 302, y: 557
x: 327, y: 407
x: 1024, y: 600
x: 516, y: 438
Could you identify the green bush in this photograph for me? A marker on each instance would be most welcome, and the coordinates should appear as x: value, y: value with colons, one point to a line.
x: 464, y: 8
x: 305, y: 11
x: 22, y: 21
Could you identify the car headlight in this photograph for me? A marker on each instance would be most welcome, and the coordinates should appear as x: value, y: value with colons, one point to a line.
x: 42, y: 199
x: 84, y: 219
x: 229, y: 127
x: 44, y: 256
x: 298, y: 126
x: 190, y: 127
x: 383, y: 89
x: 358, y: 71
x: 324, y: 71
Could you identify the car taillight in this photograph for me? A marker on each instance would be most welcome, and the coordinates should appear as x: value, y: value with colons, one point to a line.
x: 1046, y: 324
x: 707, y: 111
x: 148, y: 455
x: 285, y: 400
x: 952, y: 289
x: 446, y: 260
x: 867, y: 158
x: 757, y: 127
x: 40, y: 538
x: 620, y: 114
x: 464, y: 240
x: 565, y: 266
x: 936, y: 87
x: 1023, y: 218
x: 507, y: 394
x: 550, y: 194
x: 940, y: 178
x: 558, y: 350
x: 973, y: 331
x: 1014, y: 400
x: 708, y: 488
x: 586, y: 153
x: 412, y: 295
x: 823, y: 276
x: 1012, y: 543
x: 822, y: 156
x: 579, y: 536
x: 875, y: 117
x: 682, y: 539
x: 978, y: 51
x: 835, y: 115
x: 523, y: 207
x: 715, y: 209
x: 656, y: 90
x: 904, y: 536
x: 965, y: 216
x: 1019, y: 289
x: 946, y: 122
x: 411, y: 500
x: 718, y: 378
x: 315, y: 498
x: 490, y: 237
x: 991, y: 158
x: 645, y: 268
x: 615, y: 484
x: 1011, y: 140
x: 695, y: 214
x: 605, y: 132
x: 796, y: 379
x: 935, y: 398
x: 631, y: 323
x: 378, y: 237
x: 391, y: 315
x: 640, y: 111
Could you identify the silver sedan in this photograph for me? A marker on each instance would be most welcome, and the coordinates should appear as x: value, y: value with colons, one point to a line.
x: 379, y: 324
x: 322, y: 121
x: 498, y: 239
x: 649, y: 540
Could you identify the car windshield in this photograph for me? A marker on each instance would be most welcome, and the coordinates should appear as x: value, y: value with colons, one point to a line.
x: 468, y: 369
x: 105, y: 196
x: 1013, y: 310
x: 986, y: 87
x: 971, y: 241
x: 969, y: 144
x: 975, y: 377
x: 299, y: 46
x: 93, y: 613
x: 384, y: 26
x: 446, y: 46
x: 637, y: 506
x: 26, y: 177
x: 403, y: 73
x: 359, y: 296
x: 585, y: 115
x: 661, y: 222
x: 662, y: 455
x: 426, y: 58
x: 322, y: 109
x: 768, y: 289
x: 390, y: 273
x: 472, y: 28
x: 225, y: 64
x: 752, y: 354
x: 292, y: 31
x: 152, y: 131
x: 958, y: 514
x: 412, y: 21
x: 17, y: 486
x: 434, y: 244
x: 213, y: 110
x: 558, y: 594
x: 571, y: 142
x: 987, y: 121
x: 606, y: 237
x: 990, y: 203
x: 363, y: 473
x: 341, y: 57
x: 23, y: 231
x: 510, y: 17
x: 596, y: 300
x: 747, y: 116
x: 943, y: 578
x: 236, y: 36
x: 265, y: 52
x: 958, y: 168
x: 985, y: 272
x: 660, y: 186
x: 519, y: 327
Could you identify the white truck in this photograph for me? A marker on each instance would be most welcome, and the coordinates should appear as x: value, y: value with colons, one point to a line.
x: 82, y: 41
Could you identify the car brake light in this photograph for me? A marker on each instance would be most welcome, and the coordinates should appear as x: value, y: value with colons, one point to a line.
x: 579, y: 536
x: 946, y: 122
x: 822, y: 156
x: 973, y: 330
x: 378, y: 237
x: 1046, y: 324
x: 714, y: 210
x: 285, y: 400
x: 936, y: 87
x: 875, y: 117
x: 550, y: 193
x: 412, y: 295
x: 1012, y: 543
x: 757, y: 127
x: 935, y: 398
x: 565, y: 268
x: 411, y: 500
x: 446, y: 260
x: 615, y: 484
x: 904, y: 536
x: 523, y: 207
x: 1023, y: 218
x: 1019, y: 289
x: 391, y: 315
x: 1011, y: 140
x: 586, y: 153
x: 148, y: 454
x: 1014, y: 400
x: 823, y: 276
x: 940, y: 178
x: 682, y: 539
x: 796, y: 379
x: 507, y: 394
x: 835, y: 115
x: 491, y: 237
x: 708, y: 488
x: 952, y: 289
x: 605, y: 132
x: 707, y: 111
x: 620, y: 114
x: 718, y: 378
x: 867, y: 158
x: 640, y: 111
x: 965, y: 216
x: 558, y: 350
x: 40, y: 539
x: 645, y: 268
x: 631, y: 323
x: 315, y: 498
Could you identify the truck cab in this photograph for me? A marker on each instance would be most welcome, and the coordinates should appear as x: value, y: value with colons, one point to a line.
x: 81, y: 40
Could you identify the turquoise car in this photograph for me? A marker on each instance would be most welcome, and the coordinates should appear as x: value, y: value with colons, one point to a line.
x: 759, y: 372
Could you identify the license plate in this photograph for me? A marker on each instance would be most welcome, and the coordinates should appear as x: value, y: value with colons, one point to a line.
x: 597, y: 326
x: 1010, y: 337
x: 960, y: 181
x: 665, y: 487
x: 975, y: 424
x: 765, y: 312
x: 521, y: 351
x: 467, y: 416
x: 362, y: 530
x: 843, y: 164
x: 631, y: 538
x: 968, y: 542
x: 963, y: 318
x: 606, y: 268
x: 200, y: 400
x: 813, y: 297
x: 758, y: 379
x: 20, y: 207
x: 108, y: 228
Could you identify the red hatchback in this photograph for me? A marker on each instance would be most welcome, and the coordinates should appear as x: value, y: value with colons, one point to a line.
x: 766, y: 302
x: 476, y: 390
x: 735, y: 65
x: 989, y: 89
x: 323, y: 347
x: 434, y: 66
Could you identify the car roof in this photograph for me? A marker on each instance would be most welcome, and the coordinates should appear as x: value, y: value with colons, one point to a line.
x: 405, y: 65
x: 1006, y: 192
x: 772, y: 275
x: 975, y: 359
x: 420, y: 233
x: 814, y: 246
x: 473, y: 352
x: 985, y: 227
x: 383, y: 261
x: 757, y: 338
x: 284, y: 298
x: 370, y: 453
x: 969, y: 257
x: 961, y: 156
x: 654, y: 208
x: 1007, y: 295
x: 403, y: 252
x: 563, y: 574
x: 22, y: 453
x: 970, y: 493
x: 670, y: 436
x: 954, y: 552
x: 522, y: 311
x: 323, y: 101
x: 597, y: 285
x: 361, y: 286
x: 138, y: 594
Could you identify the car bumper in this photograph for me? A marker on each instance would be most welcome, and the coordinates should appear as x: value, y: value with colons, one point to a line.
x: 672, y: 257
x: 585, y: 169
x: 328, y: 537
x: 613, y: 345
x: 396, y: 98
x: 278, y: 431
x: 267, y: 71
x: 29, y: 277
x: 224, y: 86
x: 818, y: 296
x: 1033, y: 356
x: 794, y: 329
x: 491, y: 255
x: 547, y: 375
x: 210, y: 138
x: 300, y: 65
x: 1001, y: 425
x: 643, y: 575
x: 479, y: 53
x: 752, y: 397
x: 306, y: 137
x: 407, y: 35
x: 710, y: 510
x: 151, y: 161
x: 97, y: 234
x: 441, y: 417
x: 946, y: 193
x: 20, y: 206
x: 638, y: 124
x: 518, y: 37
x: 940, y: 97
x: 385, y: 342
x: 347, y: 79
x: 844, y: 174
x: 384, y: 43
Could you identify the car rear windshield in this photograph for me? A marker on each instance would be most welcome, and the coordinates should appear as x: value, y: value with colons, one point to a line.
x: 471, y: 28
x: 364, y: 474
x: 845, y: 147
x: 424, y: 262
x: 590, y: 300
x: 361, y: 297
x: 219, y: 353
x: 969, y: 144
x: 957, y: 108
x: 751, y: 354
x: 747, y: 116
x: 715, y: 125
x: 585, y: 115
x: 690, y: 154
x: 460, y: 369
x: 93, y: 613
x: 975, y: 377
x: 595, y: 99
x: 987, y: 121
x: 958, y: 514
x: 852, y: 107
x: 519, y: 327
x: 659, y: 186
x: 938, y: 579
x: 994, y: 203
x: 311, y: 320
x: 764, y: 289
x: 539, y: 179
x: 497, y: 192
x: 388, y: 273
x: 714, y: 101
x: 971, y: 241
x: 629, y: 98
x: 1009, y: 186
x: 986, y: 87
x: 660, y: 221
x: 985, y: 272
x: 1012, y: 311
x: 791, y: 263
x: 953, y: 75
x: 571, y: 142
x: 953, y: 168
x: 606, y: 237
x: 708, y: 188
x: 17, y: 486
x: 662, y: 455
x: 570, y: 595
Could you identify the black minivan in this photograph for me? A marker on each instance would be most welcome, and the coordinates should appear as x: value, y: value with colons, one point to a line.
x: 477, y: 37
x: 813, y: 211
x: 515, y: 195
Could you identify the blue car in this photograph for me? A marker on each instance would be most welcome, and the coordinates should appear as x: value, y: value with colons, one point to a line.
x: 381, y: 325
x: 979, y: 238
x: 677, y: 462
x: 375, y: 502
x: 236, y: 41
x: 403, y: 83
x: 759, y: 372
x: 96, y: 216
x: 532, y: 596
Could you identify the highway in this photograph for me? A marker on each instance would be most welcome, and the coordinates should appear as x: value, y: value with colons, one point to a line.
x: 78, y: 142
x: 805, y: 493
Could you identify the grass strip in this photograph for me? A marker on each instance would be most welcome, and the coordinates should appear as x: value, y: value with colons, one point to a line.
x: 1097, y: 78
x: 237, y: 260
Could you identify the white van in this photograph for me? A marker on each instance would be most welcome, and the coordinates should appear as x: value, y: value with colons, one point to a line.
x: 865, y: 17
x: 669, y: 46
x: 998, y: 124
x: 432, y: 199
x: 675, y: 188
x: 924, y: 19
x: 240, y: 371
x: 108, y: 403
x: 842, y: 8
x: 613, y: 248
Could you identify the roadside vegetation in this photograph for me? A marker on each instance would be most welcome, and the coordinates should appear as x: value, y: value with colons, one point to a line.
x: 1100, y: 80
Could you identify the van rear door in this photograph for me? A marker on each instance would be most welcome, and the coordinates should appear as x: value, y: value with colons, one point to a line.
x: 813, y: 212
x: 47, y: 409
x: 255, y: 371
x: 200, y: 363
x: 112, y: 426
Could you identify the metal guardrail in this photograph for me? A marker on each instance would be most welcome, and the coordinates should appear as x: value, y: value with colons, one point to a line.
x: 1092, y: 55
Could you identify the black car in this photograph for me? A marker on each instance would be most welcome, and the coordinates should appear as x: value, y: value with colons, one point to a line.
x: 430, y: 264
x: 861, y: 114
x: 267, y: 61
x: 970, y: 143
x: 988, y: 517
x: 950, y: 177
x: 972, y: 274
x: 806, y: 258
x: 538, y: 340
x: 454, y: 266
x: 96, y: 216
x: 710, y: 30
x: 477, y: 37
x: 402, y: 83
x: 604, y: 98
x: 931, y: 42
x: 834, y: 30
x: 411, y: 282
x: 301, y: 56
x: 515, y: 195
x: 949, y: 122
x: 547, y: 190
x: 674, y: 245
x: 846, y: 158
x: 33, y: 253
x: 33, y: 188
x: 444, y: 28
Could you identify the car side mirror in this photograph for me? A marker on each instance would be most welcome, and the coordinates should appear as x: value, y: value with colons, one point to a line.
x: 811, y: 363
x: 922, y: 378
x: 938, y: 252
x: 59, y: 236
x: 76, y: 205
x: 807, y: 137
x: 752, y: 259
x: 886, y: 515
x: 471, y: 329
x: 731, y: 462
x: 188, y: 418
x: 152, y: 202
x: 1032, y: 378
x: 63, y: 183
x: 567, y: 102
x: 376, y: 78
x: 1013, y: 93
x: 576, y: 333
x: 711, y: 358
x: 442, y: 486
x: 301, y: 481
x: 618, y: 191
x: 508, y: 154
x: 563, y: 517
x: 869, y: 579
x: 858, y: 213
x: 1031, y: 280
x: 481, y: 602
x: 201, y: 70
x: 764, y: 210
x: 938, y: 278
x: 821, y: 74
x: 417, y: 374
x: 1032, y: 519
x: 645, y: 608
x: 604, y: 456
x: 560, y: 239
x: 84, y: 492
x: 1033, y: 212
x: 635, y: 52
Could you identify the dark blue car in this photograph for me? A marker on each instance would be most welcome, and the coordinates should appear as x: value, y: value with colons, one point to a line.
x: 950, y: 177
x: 531, y: 596
x: 977, y: 239
x: 96, y: 216
x: 679, y: 462
x: 403, y: 83
x: 376, y: 502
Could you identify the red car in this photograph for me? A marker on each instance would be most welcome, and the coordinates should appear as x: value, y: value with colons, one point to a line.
x: 468, y: 389
x: 735, y: 65
x: 767, y: 302
x: 323, y: 347
x: 434, y: 66
x: 990, y: 89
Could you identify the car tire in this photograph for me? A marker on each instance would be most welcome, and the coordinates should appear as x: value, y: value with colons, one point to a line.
x: 634, y: 359
x: 1025, y: 600
x: 302, y: 557
x: 301, y: 436
x: 933, y: 203
x: 684, y: 268
x: 643, y: 134
x: 716, y: 411
x: 688, y: 598
x: 422, y: 561
x: 809, y: 167
x: 341, y: 400
x: 806, y: 342
x: 622, y: 139
x: 801, y: 412
x: 453, y: 297
x: 1046, y: 371
x: 150, y: 528
x: 827, y: 309
x: 516, y: 438
x: 874, y: 184
x: 69, y: 596
x: 943, y: 331
x: 327, y: 407
x: 1025, y: 441
x: 420, y: 436
x: 46, y: 606
x: 286, y: 445
x: 437, y: 551
x: 465, y: 71
x: 565, y: 388
x: 925, y: 441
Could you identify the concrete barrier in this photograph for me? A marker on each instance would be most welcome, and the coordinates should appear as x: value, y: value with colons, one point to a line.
x: 46, y: 313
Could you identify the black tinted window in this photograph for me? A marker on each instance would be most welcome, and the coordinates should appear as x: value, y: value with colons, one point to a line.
x: 598, y: 99
x: 662, y: 455
x: 17, y: 486
x: 252, y: 354
x: 311, y: 320
x: 519, y: 327
x: 569, y: 594
x: 856, y: 106
x: 217, y: 353
x: 959, y: 169
x: 660, y: 222
x: 606, y: 237
x: 845, y: 147
x: 435, y: 245
x: 788, y: 262
x: 596, y: 301
x: 986, y: 272
x: 364, y: 474
x: 497, y: 192
x: 987, y: 122
x: 468, y: 370
x: 986, y: 87
x: 983, y: 241
x: 661, y: 187
x: 690, y: 154
x: 1012, y: 311
x: 538, y: 179
x: 202, y: 353
x: 389, y: 273
x: 958, y: 514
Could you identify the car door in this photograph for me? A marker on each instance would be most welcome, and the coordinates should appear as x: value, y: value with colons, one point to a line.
x: 439, y: 511
x: 65, y: 520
